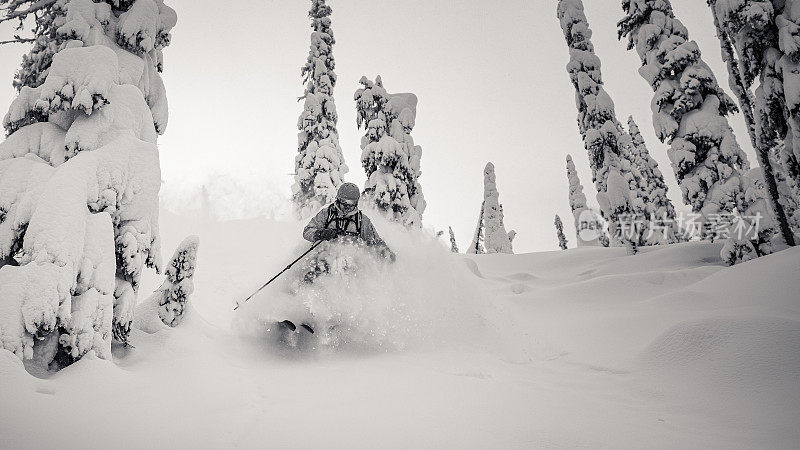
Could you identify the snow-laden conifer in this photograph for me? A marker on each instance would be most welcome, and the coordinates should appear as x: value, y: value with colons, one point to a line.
x: 753, y: 236
x: 453, y: 244
x: 603, y: 135
x: 496, y: 239
x: 689, y: 112
x: 389, y: 156
x: 788, y: 191
x: 580, y: 211
x: 769, y: 32
x: 174, y: 293
x: 783, y: 88
x: 562, y: 240
x: 477, y: 247
x: 659, y: 207
x: 748, y: 27
x: 319, y: 165
x: 79, y: 189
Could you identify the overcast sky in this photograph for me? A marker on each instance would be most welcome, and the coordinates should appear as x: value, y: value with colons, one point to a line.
x: 491, y: 83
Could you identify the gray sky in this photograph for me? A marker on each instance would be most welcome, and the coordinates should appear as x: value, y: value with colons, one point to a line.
x: 490, y: 78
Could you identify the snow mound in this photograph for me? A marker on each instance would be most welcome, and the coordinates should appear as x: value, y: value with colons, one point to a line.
x: 732, y: 351
x: 667, y: 348
x: 743, y: 369
x: 13, y: 372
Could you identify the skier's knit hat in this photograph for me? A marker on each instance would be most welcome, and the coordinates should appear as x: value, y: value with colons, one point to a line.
x: 348, y: 191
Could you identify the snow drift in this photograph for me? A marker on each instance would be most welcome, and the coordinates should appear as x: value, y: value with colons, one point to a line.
x: 584, y: 347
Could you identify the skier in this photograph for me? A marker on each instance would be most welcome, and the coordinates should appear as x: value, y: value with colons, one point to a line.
x: 343, y: 218
x: 343, y: 222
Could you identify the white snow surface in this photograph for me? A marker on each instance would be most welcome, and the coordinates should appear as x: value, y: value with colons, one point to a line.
x: 579, y: 348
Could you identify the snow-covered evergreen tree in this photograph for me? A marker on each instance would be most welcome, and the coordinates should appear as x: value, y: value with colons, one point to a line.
x: 659, y: 207
x: 79, y: 190
x: 319, y: 165
x: 753, y: 26
x: 562, y: 240
x: 781, y: 89
x: 496, y: 239
x: 47, y: 16
x: 453, y: 244
x: 752, y: 237
x: 689, y: 112
x: 174, y: 293
x: 788, y: 191
x: 580, y: 212
x: 389, y: 156
x: 602, y: 133
x: 476, y: 247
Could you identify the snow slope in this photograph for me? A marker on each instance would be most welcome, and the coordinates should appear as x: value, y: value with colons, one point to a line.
x: 585, y: 347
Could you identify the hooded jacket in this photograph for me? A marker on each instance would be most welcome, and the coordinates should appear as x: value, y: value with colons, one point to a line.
x: 344, y: 223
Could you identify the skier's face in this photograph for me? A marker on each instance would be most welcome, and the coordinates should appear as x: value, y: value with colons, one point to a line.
x: 347, y: 206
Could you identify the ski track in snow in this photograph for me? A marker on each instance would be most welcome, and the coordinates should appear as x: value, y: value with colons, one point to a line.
x: 585, y: 347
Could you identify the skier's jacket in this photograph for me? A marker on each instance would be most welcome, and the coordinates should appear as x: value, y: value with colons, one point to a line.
x: 355, y: 223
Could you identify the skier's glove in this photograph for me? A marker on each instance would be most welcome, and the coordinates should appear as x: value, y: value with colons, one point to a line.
x: 325, y: 234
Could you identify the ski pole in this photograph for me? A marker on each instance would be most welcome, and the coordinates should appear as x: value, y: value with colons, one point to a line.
x: 279, y: 273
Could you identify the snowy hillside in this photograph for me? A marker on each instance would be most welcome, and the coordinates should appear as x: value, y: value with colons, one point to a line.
x: 585, y: 347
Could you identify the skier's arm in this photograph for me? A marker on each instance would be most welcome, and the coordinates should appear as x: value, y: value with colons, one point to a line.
x: 371, y: 237
x: 316, y: 223
x: 368, y: 232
